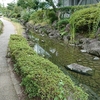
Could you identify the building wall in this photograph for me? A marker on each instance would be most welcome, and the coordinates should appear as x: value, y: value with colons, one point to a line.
x: 84, y: 2
x: 65, y: 3
x: 76, y: 2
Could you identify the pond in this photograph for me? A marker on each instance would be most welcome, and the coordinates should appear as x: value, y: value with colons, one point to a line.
x: 62, y: 54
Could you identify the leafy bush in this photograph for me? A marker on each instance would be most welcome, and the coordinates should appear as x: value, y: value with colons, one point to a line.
x: 63, y: 22
x: 15, y: 15
x: 52, y: 16
x: 25, y: 15
x: 37, y: 16
x: 61, y: 25
x: 43, y: 16
x: 40, y: 77
x: 1, y: 26
x: 86, y: 20
x: 0, y: 14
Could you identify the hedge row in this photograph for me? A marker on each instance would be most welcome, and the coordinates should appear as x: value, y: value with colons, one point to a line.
x: 40, y: 77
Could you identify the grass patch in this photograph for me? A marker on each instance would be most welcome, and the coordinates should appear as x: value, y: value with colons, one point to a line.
x: 40, y: 77
x: 19, y: 27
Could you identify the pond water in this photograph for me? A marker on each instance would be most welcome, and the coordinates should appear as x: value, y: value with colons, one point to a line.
x: 62, y: 54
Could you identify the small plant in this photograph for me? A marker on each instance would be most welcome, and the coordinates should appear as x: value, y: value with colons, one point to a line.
x: 62, y: 23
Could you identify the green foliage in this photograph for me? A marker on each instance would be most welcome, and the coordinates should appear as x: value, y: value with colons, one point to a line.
x: 71, y: 9
x: 13, y: 11
x: 14, y: 19
x: 52, y: 16
x: 11, y: 6
x: 85, y: 20
x: 52, y: 4
x: 63, y: 32
x: 62, y: 23
x: 43, y: 5
x: 0, y: 14
x: 1, y: 26
x: 25, y: 15
x: 43, y: 16
x: 40, y: 77
x: 31, y: 4
x: 37, y: 17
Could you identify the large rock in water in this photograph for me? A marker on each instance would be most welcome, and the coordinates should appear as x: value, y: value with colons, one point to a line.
x: 79, y: 68
x: 92, y: 46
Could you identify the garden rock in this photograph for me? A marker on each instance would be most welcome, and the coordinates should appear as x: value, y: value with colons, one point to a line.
x: 66, y: 38
x: 68, y: 28
x: 48, y: 30
x: 79, y: 68
x: 97, y: 33
x: 54, y: 34
x: 92, y: 46
x: 83, y: 51
x: 96, y: 58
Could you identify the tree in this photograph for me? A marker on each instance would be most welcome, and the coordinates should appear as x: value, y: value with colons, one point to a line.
x: 11, y: 6
x: 43, y: 5
x: 51, y: 3
x: 54, y: 4
x: 30, y: 4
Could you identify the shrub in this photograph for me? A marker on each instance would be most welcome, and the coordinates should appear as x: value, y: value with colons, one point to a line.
x: 0, y: 14
x: 1, y: 27
x: 61, y: 25
x: 43, y: 16
x: 63, y: 22
x: 86, y: 20
x: 40, y: 77
x: 37, y: 17
x: 52, y: 16
x: 25, y: 15
x: 15, y: 15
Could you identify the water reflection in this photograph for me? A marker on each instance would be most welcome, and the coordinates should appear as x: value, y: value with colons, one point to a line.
x: 39, y: 50
x: 53, y: 51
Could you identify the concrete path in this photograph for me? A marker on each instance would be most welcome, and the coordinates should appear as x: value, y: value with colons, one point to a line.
x: 9, y: 86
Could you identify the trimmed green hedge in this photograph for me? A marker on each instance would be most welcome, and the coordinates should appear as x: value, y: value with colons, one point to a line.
x: 40, y: 77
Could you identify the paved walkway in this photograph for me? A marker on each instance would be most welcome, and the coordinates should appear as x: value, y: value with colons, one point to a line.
x: 9, y: 86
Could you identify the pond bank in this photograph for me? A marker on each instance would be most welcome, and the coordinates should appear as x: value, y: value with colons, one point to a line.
x: 61, y: 54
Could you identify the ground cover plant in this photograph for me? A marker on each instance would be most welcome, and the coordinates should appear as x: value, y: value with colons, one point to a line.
x: 40, y: 77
